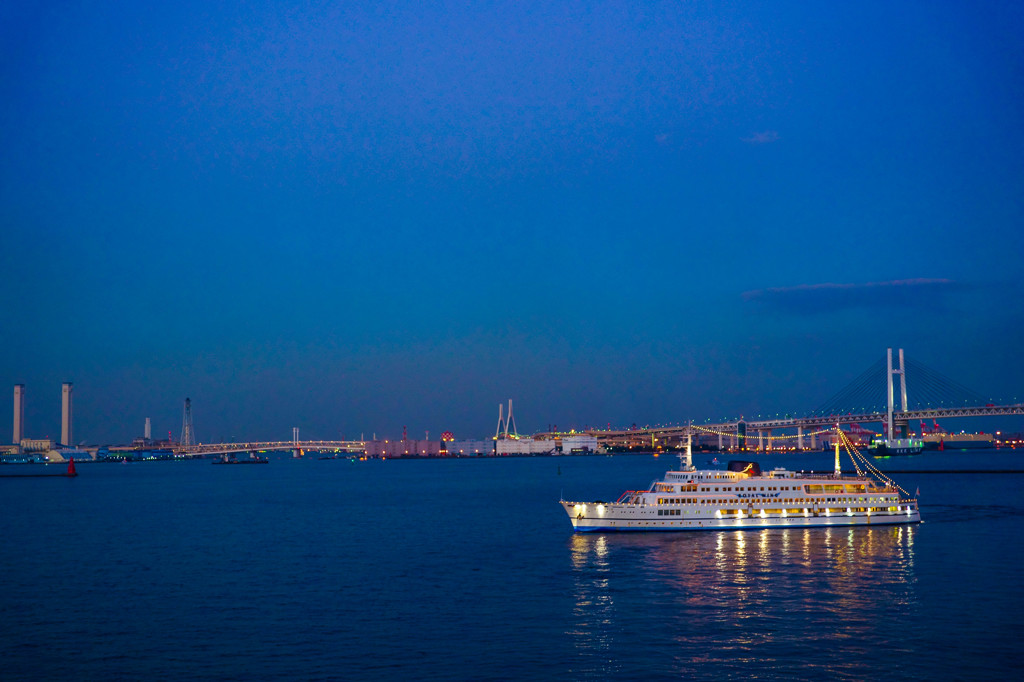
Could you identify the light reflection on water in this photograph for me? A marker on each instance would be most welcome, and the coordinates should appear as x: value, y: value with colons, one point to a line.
x: 725, y: 600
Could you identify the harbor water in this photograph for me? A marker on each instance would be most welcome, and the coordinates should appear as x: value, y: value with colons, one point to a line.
x: 468, y: 569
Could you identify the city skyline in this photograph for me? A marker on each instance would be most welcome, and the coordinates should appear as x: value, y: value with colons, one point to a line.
x: 946, y: 394
x: 356, y: 219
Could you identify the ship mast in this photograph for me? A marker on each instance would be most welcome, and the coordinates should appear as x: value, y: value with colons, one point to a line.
x: 839, y: 471
x: 688, y: 463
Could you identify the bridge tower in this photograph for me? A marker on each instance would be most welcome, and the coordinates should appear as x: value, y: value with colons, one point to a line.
x: 510, y: 421
x: 502, y: 429
x: 890, y: 393
x: 506, y: 422
x: 188, y: 436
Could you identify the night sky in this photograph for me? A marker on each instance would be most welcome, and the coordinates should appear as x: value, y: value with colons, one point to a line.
x: 350, y: 217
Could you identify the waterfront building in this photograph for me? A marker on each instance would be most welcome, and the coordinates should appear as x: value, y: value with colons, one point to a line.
x: 524, y: 446
x: 470, y: 448
x: 403, y: 448
x: 579, y: 444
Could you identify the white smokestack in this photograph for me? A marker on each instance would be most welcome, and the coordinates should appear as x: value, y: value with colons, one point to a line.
x: 65, y: 415
x: 19, y: 413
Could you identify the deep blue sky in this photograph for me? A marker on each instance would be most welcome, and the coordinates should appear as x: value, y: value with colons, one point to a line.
x: 352, y: 219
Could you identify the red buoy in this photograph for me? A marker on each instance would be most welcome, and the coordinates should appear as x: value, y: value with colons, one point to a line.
x: 71, y: 468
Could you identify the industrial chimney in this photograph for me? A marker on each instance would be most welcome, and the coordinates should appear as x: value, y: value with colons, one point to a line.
x: 19, y: 413
x: 65, y: 415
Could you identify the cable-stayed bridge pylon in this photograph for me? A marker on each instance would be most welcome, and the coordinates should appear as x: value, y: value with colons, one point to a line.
x: 893, y: 391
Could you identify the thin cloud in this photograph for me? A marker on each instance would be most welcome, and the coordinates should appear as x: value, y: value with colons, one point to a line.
x: 766, y: 137
x: 812, y: 298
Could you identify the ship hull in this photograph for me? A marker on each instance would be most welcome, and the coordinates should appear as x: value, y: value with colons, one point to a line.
x: 712, y: 524
x: 954, y: 443
x: 641, y: 520
x: 883, y: 451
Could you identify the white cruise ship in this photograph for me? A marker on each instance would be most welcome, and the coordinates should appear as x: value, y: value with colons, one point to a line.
x: 742, y: 497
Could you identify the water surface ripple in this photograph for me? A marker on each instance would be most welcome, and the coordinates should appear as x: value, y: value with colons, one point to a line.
x: 325, y: 569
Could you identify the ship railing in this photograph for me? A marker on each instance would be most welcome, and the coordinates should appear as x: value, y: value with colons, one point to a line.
x: 832, y: 477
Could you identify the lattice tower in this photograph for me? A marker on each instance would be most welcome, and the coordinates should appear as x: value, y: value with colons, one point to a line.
x: 188, y: 436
